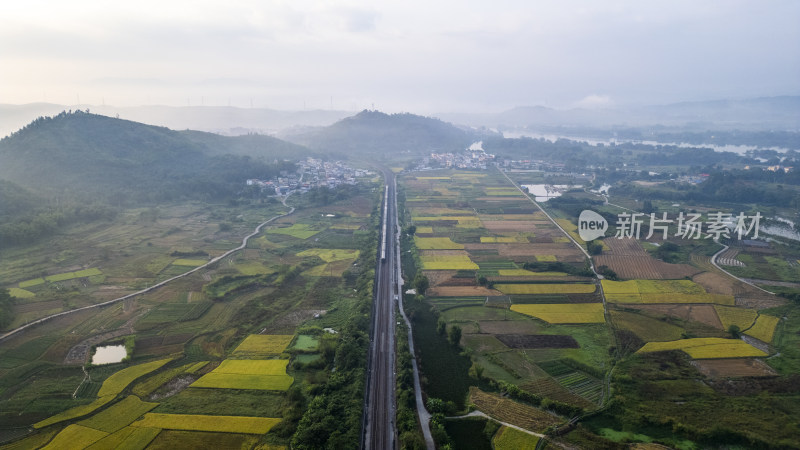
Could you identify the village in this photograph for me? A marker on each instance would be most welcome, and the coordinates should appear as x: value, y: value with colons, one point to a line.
x: 311, y: 173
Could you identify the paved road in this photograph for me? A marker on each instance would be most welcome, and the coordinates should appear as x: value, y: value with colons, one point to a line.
x: 379, y: 429
x: 155, y: 286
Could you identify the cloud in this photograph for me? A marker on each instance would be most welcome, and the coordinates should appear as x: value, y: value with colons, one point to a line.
x: 594, y: 101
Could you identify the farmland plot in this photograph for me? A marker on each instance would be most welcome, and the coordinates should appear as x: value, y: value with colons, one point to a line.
x: 222, y: 424
x: 706, y: 348
x: 515, y: 413
x: 563, y: 313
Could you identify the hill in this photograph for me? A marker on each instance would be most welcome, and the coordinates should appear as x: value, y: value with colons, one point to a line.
x: 374, y: 132
x: 98, y: 158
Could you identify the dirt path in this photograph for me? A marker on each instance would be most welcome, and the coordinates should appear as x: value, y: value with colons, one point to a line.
x: 157, y: 285
x: 714, y: 262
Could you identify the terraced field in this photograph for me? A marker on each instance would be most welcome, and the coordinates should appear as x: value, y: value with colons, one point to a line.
x: 706, y: 348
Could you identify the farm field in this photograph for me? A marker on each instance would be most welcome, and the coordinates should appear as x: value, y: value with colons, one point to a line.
x: 216, y: 328
x: 222, y: 424
x: 262, y: 346
x: 564, y: 313
x: 508, y: 438
x: 546, y: 288
x: 706, y: 348
x: 515, y: 413
x: 661, y: 291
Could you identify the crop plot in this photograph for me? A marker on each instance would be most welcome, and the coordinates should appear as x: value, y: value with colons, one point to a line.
x: 764, y: 328
x: 436, y: 243
x: 508, y: 438
x: 74, y: 413
x: 220, y: 424
x: 727, y: 368
x: 119, y: 415
x: 563, y: 312
x: 647, y: 328
x: 75, y: 437
x: 298, y: 230
x: 537, y: 341
x: 127, y: 438
x: 706, y: 348
x: 705, y: 314
x: 731, y: 315
x: 262, y: 345
x: 20, y: 293
x: 546, y: 288
x: 331, y: 255
x: 515, y: 413
x: 117, y: 382
x: 661, y: 291
x: 189, y: 262
x: 433, y: 260
x: 248, y: 374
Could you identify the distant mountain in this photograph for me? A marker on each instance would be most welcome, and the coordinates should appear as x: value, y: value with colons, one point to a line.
x: 96, y: 157
x: 765, y: 113
x: 378, y: 133
x: 224, y: 120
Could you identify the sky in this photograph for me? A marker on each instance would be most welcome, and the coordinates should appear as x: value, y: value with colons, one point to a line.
x: 415, y: 56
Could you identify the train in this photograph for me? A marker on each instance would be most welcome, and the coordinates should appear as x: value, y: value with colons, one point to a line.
x: 385, y: 219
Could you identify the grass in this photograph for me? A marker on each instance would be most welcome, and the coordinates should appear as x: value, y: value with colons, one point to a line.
x: 238, y: 402
x: 502, y: 239
x: 706, y: 348
x: 306, y: 343
x: 508, y: 438
x: 764, y: 328
x: 127, y: 438
x: 117, y: 382
x: 64, y: 276
x: 74, y: 413
x: 253, y: 268
x: 542, y: 288
x: 154, y: 382
x: 189, y: 262
x: 436, y: 243
x: 20, y: 293
x: 447, y: 262
x: 31, y: 283
x: 263, y: 345
x: 221, y: 424
x: 119, y: 415
x: 75, y: 437
x: 564, y: 312
x: 298, y: 230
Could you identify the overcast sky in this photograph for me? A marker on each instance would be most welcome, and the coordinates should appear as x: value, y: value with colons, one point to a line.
x: 419, y: 56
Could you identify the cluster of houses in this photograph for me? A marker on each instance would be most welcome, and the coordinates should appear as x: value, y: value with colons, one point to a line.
x: 471, y: 158
x: 311, y: 173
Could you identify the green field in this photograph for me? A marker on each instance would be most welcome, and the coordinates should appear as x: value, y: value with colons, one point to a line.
x: 222, y: 424
x: 119, y: 415
x: 331, y: 254
x: 647, y: 328
x: 298, y: 230
x: 76, y: 412
x: 508, y: 438
x: 189, y: 262
x: 20, y: 293
x: 306, y: 343
x: 127, y: 438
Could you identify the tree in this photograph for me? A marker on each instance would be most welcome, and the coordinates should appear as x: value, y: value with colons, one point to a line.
x: 594, y: 247
x: 411, y: 230
x: 734, y: 330
x: 482, y: 280
x: 421, y: 283
x: 454, y: 335
x: 441, y: 327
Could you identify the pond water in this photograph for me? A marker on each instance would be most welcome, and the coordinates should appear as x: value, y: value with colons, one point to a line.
x: 108, y: 354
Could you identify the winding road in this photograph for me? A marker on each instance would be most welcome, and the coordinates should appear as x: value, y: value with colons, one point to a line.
x: 155, y: 286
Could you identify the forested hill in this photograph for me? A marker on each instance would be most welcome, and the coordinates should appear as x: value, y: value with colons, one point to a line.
x: 377, y: 133
x: 80, y: 155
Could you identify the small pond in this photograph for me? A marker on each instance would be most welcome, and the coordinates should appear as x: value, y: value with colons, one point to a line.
x: 108, y: 354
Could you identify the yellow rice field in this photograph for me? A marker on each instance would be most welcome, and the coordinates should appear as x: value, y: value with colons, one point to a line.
x: 661, y: 291
x: 263, y: 345
x: 764, y: 328
x: 219, y: 424
x: 331, y: 254
x: 545, y: 288
x: 741, y: 317
x: 563, y: 312
x: 706, y: 348
x: 528, y: 273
